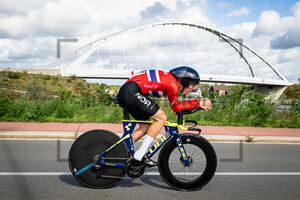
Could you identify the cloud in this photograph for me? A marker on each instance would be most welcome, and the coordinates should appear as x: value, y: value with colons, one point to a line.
x: 180, y: 11
x: 14, y: 7
x: 270, y: 23
x: 50, y: 19
x: 291, y: 38
x: 224, y: 5
x: 28, y: 32
x: 239, y: 12
x: 156, y: 10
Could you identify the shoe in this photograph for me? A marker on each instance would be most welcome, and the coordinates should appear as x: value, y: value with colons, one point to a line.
x: 148, y: 162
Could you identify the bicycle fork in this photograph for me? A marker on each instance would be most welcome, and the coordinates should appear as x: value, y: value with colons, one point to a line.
x: 170, y: 131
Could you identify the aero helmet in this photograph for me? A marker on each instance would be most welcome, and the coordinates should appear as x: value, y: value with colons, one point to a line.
x: 186, y: 75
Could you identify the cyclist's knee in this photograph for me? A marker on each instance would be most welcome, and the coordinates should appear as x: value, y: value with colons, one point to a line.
x: 160, y: 116
x: 164, y: 117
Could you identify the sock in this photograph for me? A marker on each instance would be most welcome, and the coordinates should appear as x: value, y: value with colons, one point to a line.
x: 143, y: 148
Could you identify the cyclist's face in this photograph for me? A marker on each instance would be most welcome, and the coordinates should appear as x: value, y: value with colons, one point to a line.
x: 189, y: 89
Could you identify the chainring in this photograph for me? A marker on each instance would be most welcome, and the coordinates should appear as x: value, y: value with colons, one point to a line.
x: 134, y: 168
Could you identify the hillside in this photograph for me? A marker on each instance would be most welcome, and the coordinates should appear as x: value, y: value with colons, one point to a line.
x: 293, y: 92
x: 16, y: 82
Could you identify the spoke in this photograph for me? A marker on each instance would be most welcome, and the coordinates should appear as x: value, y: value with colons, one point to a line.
x: 176, y: 152
x: 195, y: 151
x: 180, y: 171
x: 196, y: 170
x: 173, y: 167
x: 174, y: 161
x: 199, y: 158
x: 191, y: 172
x: 201, y: 164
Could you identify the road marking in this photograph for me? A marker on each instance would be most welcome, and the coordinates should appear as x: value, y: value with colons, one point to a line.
x: 258, y: 174
x: 234, y: 173
x: 34, y: 173
x: 157, y: 173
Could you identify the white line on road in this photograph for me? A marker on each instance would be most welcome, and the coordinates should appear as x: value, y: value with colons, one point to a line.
x: 34, y: 173
x: 157, y: 173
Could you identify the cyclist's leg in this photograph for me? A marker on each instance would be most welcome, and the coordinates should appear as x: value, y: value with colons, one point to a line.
x: 140, y: 132
x: 159, y: 120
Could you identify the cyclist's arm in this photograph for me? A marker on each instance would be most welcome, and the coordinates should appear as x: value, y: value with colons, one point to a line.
x: 172, y: 92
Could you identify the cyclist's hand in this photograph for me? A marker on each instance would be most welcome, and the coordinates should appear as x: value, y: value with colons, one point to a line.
x: 205, y: 104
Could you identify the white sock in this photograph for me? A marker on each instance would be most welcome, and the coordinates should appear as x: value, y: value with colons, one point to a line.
x: 143, y: 148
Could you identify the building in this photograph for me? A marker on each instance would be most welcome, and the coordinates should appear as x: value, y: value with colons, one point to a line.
x: 221, y: 89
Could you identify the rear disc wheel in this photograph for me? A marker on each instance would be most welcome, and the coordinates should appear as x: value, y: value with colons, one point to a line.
x: 87, y: 148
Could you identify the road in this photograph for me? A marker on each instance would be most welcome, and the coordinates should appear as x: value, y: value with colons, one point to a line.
x: 278, y: 164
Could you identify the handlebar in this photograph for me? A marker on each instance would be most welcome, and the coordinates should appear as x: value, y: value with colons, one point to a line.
x: 186, y: 112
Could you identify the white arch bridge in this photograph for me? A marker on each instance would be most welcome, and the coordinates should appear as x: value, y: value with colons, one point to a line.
x: 216, y: 56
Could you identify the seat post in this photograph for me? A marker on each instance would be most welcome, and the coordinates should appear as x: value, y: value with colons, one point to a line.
x: 126, y: 114
x: 180, y: 119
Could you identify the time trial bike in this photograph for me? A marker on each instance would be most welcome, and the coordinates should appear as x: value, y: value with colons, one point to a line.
x: 100, y: 158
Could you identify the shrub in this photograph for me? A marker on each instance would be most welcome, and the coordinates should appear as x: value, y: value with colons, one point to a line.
x: 46, y: 77
x: 5, y: 104
x: 34, y: 89
x: 116, y: 115
x: 295, y: 106
x: 13, y: 75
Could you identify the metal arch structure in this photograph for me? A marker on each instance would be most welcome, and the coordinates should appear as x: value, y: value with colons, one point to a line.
x: 254, y: 80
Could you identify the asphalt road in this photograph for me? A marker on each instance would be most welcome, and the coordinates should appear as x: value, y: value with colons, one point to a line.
x: 278, y: 178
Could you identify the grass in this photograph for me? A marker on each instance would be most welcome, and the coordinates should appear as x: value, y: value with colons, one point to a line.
x: 50, y: 85
x: 70, y: 99
x: 249, y: 138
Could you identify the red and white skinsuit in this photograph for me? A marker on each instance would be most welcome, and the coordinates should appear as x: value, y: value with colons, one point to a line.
x: 158, y: 83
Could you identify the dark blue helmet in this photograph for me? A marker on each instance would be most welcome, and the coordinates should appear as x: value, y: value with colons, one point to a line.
x: 186, y: 75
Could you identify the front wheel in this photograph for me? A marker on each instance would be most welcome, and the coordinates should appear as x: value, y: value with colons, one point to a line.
x: 203, y: 163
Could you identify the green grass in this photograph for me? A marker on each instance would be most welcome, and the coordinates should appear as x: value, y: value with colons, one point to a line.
x: 69, y: 99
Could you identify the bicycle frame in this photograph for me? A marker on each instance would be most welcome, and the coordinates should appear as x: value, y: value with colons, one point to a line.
x: 128, y: 126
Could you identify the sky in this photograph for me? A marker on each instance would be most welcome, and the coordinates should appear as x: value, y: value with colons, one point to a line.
x: 29, y: 32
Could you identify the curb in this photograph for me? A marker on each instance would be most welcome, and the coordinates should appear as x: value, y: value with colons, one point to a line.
x: 36, y: 135
x: 212, y: 138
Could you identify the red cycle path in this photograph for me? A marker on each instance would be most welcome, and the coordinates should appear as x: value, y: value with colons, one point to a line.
x: 118, y: 128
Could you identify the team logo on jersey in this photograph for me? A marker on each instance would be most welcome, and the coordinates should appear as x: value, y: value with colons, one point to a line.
x: 153, y: 86
x: 143, y: 99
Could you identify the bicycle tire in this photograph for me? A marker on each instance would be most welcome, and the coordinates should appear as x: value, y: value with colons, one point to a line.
x: 84, y: 151
x: 203, y: 161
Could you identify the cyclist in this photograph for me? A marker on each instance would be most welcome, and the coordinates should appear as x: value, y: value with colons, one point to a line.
x: 133, y: 96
